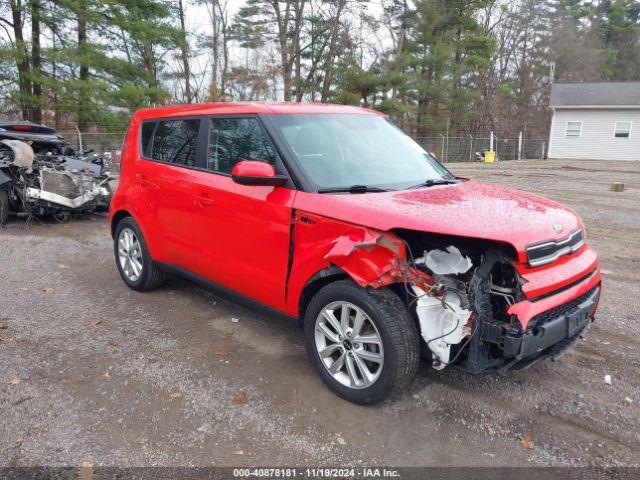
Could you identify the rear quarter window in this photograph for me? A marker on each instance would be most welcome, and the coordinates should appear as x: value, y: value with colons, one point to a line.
x: 146, y: 134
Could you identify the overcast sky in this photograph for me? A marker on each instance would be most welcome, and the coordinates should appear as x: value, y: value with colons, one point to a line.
x: 198, y: 21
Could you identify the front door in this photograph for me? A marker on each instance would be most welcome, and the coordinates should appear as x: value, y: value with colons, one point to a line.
x: 242, y: 232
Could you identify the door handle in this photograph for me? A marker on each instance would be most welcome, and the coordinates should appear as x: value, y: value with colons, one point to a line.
x: 142, y: 180
x: 204, y: 202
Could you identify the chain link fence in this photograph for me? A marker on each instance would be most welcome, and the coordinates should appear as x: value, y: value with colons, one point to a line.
x: 98, y: 142
x: 534, y: 149
x: 468, y: 149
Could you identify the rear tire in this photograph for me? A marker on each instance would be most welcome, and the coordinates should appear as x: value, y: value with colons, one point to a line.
x: 4, y: 206
x: 136, y: 267
x: 370, y: 372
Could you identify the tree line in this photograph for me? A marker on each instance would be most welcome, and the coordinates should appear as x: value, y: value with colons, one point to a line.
x: 435, y: 66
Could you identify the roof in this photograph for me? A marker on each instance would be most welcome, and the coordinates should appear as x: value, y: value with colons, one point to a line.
x: 600, y: 94
x: 240, y: 108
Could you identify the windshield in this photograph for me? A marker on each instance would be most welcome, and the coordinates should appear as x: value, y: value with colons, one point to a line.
x: 345, y: 150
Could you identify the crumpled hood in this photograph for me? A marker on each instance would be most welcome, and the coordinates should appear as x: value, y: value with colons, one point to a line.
x: 467, y: 209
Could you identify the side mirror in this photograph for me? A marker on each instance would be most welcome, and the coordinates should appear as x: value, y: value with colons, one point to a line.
x: 255, y: 172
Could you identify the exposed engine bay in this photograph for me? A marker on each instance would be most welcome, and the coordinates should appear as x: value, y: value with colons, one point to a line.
x: 463, y: 308
x: 40, y: 175
x: 462, y: 291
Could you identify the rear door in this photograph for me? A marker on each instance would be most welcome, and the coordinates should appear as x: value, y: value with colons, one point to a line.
x: 242, y: 232
x: 166, y: 175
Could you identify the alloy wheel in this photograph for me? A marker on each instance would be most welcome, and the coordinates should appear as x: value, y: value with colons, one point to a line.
x: 130, y: 254
x: 349, y: 345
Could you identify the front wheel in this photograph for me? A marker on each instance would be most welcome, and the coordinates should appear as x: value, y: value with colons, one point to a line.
x: 362, y: 341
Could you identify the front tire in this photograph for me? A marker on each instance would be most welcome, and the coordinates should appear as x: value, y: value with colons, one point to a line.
x: 362, y: 341
x: 134, y: 262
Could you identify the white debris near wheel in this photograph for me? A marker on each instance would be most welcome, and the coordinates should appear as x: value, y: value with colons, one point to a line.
x: 443, y: 323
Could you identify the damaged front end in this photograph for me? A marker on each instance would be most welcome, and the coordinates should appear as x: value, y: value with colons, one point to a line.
x: 50, y: 181
x: 469, y: 297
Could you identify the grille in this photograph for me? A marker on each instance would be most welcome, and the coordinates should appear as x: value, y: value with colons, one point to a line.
x: 564, y: 309
x: 547, y: 252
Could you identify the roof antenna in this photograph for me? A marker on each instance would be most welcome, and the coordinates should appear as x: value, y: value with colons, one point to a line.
x: 552, y: 72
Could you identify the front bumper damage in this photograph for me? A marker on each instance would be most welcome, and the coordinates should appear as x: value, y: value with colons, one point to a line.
x: 550, y: 334
x: 545, y: 325
x: 479, y: 310
x: 552, y: 327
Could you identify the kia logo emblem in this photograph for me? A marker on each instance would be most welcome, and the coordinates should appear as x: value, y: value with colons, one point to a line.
x: 557, y: 228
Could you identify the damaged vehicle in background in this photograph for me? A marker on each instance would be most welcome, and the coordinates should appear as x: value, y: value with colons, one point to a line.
x: 41, y: 175
x: 336, y: 217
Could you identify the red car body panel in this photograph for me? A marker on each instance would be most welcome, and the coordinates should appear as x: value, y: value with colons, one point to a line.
x: 528, y: 309
x: 370, y: 257
x: 247, y: 108
x: 557, y: 275
x: 374, y: 259
x: 168, y: 227
x: 242, y: 236
x: 253, y: 169
x: 468, y: 209
x: 268, y: 242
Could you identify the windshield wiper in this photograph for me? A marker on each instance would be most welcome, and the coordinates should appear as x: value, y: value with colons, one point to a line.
x: 431, y: 182
x: 353, y: 189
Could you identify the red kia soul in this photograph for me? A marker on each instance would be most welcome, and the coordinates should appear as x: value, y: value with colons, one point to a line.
x: 334, y: 216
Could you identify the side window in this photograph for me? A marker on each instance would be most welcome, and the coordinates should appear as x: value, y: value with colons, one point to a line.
x: 235, y: 139
x: 175, y: 141
x: 145, y: 138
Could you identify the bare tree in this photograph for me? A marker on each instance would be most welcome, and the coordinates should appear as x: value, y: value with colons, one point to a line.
x: 220, y: 38
x: 289, y: 18
x: 184, y: 53
x: 284, y: 20
x: 35, y: 8
x: 83, y: 51
x: 22, y: 58
x: 329, y: 60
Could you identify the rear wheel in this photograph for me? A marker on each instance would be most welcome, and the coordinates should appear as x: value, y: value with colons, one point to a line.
x: 4, y: 205
x: 135, y: 265
x: 362, y: 341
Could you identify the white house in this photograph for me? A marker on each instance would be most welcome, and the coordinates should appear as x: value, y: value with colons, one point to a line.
x: 595, y: 121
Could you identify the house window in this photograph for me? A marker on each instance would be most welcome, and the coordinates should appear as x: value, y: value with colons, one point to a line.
x: 574, y: 129
x: 623, y: 130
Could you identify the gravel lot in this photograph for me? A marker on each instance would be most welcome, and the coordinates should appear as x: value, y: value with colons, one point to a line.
x: 91, y: 371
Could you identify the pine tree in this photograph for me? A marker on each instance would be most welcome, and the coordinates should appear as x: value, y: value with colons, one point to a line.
x: 98, y: 64
x: 618, y: 24
x: 446, y: 50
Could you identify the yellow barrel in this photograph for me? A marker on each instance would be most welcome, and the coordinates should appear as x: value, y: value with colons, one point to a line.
x: 489, y: 156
